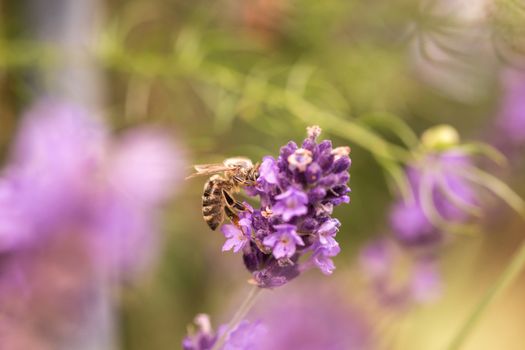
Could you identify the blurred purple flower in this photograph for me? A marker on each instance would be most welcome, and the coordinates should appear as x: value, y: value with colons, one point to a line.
x: 142, y: 165
x: 426, y: 281
x: 294, y: 321
x: 77, y: 208
x: 297, y: 193
x: 511, y: 115
x: 331, y: 323
x: 203, y: 338
x: 14, y: 230
x: 436, y: 182
x: 246, y: 336
x: 57, y: 146
x: 398, y: 277
x: 141, y: 168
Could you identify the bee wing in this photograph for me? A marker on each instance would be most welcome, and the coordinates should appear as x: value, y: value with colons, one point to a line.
x: 209, y: 169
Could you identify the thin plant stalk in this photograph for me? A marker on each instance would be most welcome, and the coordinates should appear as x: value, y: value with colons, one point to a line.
x: 239, y: 315
x: 508, y: 276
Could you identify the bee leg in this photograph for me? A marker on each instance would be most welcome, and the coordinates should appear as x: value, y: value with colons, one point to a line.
x: 234, y: 218
x: 233, y: 203
x: 232, y: 215
x: 239, y: 206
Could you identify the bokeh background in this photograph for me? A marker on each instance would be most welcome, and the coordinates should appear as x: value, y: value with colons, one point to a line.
x: 243, y: 77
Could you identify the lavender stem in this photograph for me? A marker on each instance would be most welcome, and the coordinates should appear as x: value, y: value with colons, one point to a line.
x: 239, y: 315
x: 506, y: 278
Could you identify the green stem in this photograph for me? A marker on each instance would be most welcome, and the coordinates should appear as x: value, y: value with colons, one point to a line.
x: 239, y: 315
x: 510, y: 273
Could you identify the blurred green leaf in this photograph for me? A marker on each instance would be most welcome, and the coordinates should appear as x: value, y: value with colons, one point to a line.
x: 496, y: 186
x: 484, y: 149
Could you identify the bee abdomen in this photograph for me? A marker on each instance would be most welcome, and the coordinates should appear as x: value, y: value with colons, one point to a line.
x: 213, y: 215
x: 211, y: 209
x: 213, y: 221
x: 212, y: 203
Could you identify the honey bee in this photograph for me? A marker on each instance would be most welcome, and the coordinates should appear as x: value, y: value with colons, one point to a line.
x: 217, y: 198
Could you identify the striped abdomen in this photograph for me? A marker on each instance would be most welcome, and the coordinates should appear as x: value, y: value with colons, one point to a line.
x: 213, y: 201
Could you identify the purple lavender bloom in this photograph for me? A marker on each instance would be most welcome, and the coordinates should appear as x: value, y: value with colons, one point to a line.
x: 293, y: 230
x: 426, y: 281
x: 246, y: 336
x: 203, y: 338
x: 322, y: 258
x: 77, y: 206
x: 290, y: 204
x: 442, y: 198
x: 236, y: 238
x: 283, y: 241
x: 381, y: 261
x: 511, y: 115
x: 438, y: 180
x: 14, y: 230
x: 56, y: 146
x: 327, y: 232
x: 268, y: 170
x: 299, y: 159
x: 312, y: 316
x: 140, y: 169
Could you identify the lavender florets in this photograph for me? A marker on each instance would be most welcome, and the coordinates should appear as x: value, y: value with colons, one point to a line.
x: 297, y: 192
x: 246, y: 335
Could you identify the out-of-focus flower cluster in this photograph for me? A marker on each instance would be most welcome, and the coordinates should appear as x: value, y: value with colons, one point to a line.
x: 78, y: 210
x: 442, y: 198
x: 509, y: 131
x: 245, y: 336
x: 333, y: 322
x: 398, y: 277
x: 440, y: 195
x: 298, y: 191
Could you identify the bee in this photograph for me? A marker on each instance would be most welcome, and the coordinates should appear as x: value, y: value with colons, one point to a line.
x: 227, y: 179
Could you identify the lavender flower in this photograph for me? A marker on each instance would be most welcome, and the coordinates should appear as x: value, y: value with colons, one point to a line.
x: 291, y: 203
x: 510, y: 122
x: 238, y: 236
x: 331, y: 323
x: 322, y: 258
x: 268, y: 170
x: 440, y: 193
x: 294, y: 321
x: 283, y: 241
x: 298, y: 191
x: 383, y: 260
x: 443, y: 198
x: 77, y: 209
x: 246, y: 336
x: 203, y: 338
